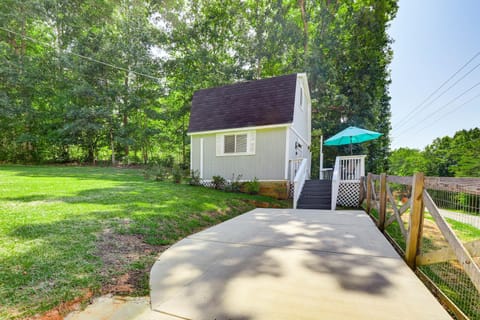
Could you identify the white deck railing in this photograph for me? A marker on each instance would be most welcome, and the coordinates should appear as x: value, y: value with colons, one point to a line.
x: 326, y: 174
x: 348, y: 169
x: 352, y: 168
x: 299, y: 181
x: 335, y: 183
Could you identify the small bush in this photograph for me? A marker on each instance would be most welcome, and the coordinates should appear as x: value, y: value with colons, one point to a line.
x: 218, y: 182
x: 194, y: 178
x: 156, y: 172
x: 234, y: 185
x: 252, y: 187
x: 177, y: 174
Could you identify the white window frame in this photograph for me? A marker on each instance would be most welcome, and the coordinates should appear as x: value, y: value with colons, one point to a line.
x: 251, y: 140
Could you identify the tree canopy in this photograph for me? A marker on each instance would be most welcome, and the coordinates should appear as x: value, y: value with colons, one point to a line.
x: 87, y: 80
x: 456, y: 156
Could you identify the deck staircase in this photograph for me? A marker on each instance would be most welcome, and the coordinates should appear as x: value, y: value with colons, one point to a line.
x: 316, y: 194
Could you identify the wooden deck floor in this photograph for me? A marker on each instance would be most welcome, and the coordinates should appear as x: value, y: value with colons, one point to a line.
x: 289, y: 264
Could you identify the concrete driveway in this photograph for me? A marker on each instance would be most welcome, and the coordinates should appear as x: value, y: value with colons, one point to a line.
x: 289, y: 264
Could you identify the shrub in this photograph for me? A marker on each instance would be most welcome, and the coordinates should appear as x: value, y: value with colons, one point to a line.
x: 156, y: 172
x: 252, y: 187
x: 234, y: 185
x: 194, y: 178
x: 177, y: 174
x: 218, y: 182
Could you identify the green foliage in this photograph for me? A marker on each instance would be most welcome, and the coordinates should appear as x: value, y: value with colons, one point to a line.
x: 445, y: 157
x: 252, y: 187
x: 194, y: 178
x: 177, y: 174
x: 57, y: 106
x: 406, y: 162
x: 156, y: 172
x: 219, y: 182
x: 234, y: 185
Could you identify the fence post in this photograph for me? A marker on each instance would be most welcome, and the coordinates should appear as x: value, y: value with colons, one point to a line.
x: 361, y: 195
x: 416, y: 220
x: 383, y: 202
x: 369, y: 192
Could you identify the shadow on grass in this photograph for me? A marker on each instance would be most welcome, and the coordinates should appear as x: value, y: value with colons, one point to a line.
x: 81, y: 173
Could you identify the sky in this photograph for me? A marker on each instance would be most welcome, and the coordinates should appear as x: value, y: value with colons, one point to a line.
x: 433, y: 39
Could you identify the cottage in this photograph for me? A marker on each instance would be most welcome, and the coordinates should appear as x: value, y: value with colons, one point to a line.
x: 257, y: 129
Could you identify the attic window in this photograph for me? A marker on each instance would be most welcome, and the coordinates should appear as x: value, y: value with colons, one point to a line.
x: 241, y: 143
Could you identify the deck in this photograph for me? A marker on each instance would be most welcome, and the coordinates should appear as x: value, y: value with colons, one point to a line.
x: 289, y: 264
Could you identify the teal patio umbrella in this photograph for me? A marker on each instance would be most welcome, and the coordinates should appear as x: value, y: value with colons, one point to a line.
x: 350, y: 136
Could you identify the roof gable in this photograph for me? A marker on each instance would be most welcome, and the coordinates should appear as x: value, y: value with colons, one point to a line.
x: 246, y: 104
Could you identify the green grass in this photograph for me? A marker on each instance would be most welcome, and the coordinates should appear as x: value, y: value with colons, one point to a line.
x: 448, y: 276
x: 52, y: 219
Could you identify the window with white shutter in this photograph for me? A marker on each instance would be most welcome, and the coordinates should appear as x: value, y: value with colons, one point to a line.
x: 238, y: 143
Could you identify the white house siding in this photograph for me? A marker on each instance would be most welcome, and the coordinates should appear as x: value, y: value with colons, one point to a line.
x: 297, y: 153
x: 268, y: 163
x: 301, y: 116
x: 301, y: 126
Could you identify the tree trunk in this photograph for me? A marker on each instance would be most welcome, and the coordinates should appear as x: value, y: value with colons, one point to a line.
x: 112, y: 146
x: 301, y: 4
x: 125, y: 113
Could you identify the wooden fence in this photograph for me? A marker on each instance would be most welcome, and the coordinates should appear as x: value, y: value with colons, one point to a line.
x: 377, y: 194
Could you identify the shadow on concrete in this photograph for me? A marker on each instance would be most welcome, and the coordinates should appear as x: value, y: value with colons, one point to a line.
x: 236, y: 269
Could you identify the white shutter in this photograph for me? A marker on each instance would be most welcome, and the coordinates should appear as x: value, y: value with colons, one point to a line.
x: 219, y: 145
x: 241, y: 143
x: 251, y: 142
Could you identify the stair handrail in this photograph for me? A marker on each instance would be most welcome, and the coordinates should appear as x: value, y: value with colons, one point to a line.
x: 335, y: 183
x: 299, y: 181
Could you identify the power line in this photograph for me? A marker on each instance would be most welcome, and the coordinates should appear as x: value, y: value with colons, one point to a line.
x: 417, y: 108
x: 442, y: 107
x: 82, y: 56
x: 449, y: 112
x: 445, y: 91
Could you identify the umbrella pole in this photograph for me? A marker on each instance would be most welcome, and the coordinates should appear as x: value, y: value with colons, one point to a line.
x: 351, y: 152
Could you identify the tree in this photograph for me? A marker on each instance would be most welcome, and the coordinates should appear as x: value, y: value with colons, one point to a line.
x: 406, y: 162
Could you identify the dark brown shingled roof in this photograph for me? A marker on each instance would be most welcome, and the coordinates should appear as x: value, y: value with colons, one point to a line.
x: 247, y: 104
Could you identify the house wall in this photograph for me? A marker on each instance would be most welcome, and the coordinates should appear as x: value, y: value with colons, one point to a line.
x: 300, y: 131
x: 268, y: 162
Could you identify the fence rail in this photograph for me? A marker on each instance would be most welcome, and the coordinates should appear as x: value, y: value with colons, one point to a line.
x: 443, y: 246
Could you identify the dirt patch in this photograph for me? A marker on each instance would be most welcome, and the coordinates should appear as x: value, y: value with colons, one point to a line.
x: 64, y: 308
x: 127, y: 260
x: 262, y: 204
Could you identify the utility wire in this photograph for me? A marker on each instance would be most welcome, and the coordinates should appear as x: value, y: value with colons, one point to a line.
x: 447, y: 113
x: 440, y: 95
x: 417, y: 108
x: 442, y: 107
x: 82, y: 56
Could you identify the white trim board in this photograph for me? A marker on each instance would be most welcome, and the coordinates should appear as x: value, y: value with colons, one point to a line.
x: 241, y: 129
x: 300, y: 136
x: 287, y: 155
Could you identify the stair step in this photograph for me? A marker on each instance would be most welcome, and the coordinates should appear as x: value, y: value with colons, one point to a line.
x: 316, y: 194
x: 319, y: 207
x: 316, y: 190
x: 313, y: 193
x: 317, y: 187
x: 317, y: 199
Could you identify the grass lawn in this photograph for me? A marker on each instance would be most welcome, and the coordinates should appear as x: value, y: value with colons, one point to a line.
x: 448, y: 276
x: 70, y: 232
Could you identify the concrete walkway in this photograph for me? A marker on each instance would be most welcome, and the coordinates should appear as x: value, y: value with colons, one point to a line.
x: 288, y: 264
